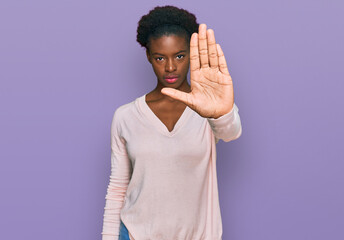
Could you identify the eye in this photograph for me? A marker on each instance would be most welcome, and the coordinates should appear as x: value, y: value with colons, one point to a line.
x: 181, y: 56
x: 158, y: 58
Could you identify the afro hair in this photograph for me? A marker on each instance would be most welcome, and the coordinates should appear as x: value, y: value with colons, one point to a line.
x: 166, y: 20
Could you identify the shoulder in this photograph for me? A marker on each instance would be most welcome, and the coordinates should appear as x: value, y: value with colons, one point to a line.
x: 123, y: 112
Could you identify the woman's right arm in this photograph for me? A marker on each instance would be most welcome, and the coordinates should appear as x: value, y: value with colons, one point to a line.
x: 118, y: 184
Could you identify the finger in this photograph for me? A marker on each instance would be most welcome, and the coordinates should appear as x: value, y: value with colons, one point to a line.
x: 213, y: 58
x: 203, y: 49
x: 222, y: 61
x: 177, y: 94
x: 194, y: 56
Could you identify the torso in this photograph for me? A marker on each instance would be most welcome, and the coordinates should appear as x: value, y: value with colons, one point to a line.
x: 168, y: 113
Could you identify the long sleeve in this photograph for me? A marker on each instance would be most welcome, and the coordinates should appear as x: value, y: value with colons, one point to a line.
x: 118, y: 184
x: 228, y: 126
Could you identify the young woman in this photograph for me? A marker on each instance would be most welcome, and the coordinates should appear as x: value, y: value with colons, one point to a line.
x: 163, y: 183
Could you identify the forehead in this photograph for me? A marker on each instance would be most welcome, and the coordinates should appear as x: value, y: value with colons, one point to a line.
x: 168, y: 44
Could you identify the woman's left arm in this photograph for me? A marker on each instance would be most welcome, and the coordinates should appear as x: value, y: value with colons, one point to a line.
x: 228, y: 126
x: 212, y: 94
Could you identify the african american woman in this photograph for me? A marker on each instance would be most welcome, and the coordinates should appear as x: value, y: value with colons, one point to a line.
x: 163, y: 182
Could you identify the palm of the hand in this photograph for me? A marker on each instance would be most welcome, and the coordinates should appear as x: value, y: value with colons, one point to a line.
x: 211, y: 84
x: 211, y: 94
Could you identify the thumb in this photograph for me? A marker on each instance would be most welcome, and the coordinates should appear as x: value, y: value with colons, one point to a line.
x: 176, y: 94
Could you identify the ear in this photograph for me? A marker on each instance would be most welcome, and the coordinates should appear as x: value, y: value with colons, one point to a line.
x: 148, y: 55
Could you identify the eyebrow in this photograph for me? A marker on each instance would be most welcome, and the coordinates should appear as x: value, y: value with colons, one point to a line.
x: 163, y: 54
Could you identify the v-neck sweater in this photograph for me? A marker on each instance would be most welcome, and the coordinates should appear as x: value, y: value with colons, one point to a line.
x: 163, y: 184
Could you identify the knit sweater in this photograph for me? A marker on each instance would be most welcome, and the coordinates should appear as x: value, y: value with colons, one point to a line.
x: 163, y: 185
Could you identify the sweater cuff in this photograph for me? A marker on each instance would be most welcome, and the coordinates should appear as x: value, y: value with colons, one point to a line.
x: 224, y: 119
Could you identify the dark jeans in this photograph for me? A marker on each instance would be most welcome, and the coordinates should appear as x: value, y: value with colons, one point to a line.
x: 123, y: 232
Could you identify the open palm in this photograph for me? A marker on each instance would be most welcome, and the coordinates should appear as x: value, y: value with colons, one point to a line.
x: 211, y: 84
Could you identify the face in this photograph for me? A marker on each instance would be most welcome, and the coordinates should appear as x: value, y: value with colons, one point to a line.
x: 169, y: 56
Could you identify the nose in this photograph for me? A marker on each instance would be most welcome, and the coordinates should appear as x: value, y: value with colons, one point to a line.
x: 170, y: 66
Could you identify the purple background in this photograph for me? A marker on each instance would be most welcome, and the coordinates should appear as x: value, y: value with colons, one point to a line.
x: 65, y: 66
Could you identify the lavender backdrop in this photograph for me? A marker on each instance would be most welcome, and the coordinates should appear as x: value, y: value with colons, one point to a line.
x: 65, y: 66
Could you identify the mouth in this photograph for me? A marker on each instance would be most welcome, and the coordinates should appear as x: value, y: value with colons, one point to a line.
x: 171, y: 79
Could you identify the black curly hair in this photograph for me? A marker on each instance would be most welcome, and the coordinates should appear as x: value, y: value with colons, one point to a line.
x: 166, y: 20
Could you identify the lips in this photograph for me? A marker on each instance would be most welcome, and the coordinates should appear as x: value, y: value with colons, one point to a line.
x: 171, y: 78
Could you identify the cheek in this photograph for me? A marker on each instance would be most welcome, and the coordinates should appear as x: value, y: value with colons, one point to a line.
x: 158, y: 68
x: 186, y: 65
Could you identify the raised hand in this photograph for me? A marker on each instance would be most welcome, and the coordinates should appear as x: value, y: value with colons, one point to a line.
x: 211, y: 84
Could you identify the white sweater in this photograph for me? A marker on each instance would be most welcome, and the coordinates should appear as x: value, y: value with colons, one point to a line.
x: 163, y: 185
